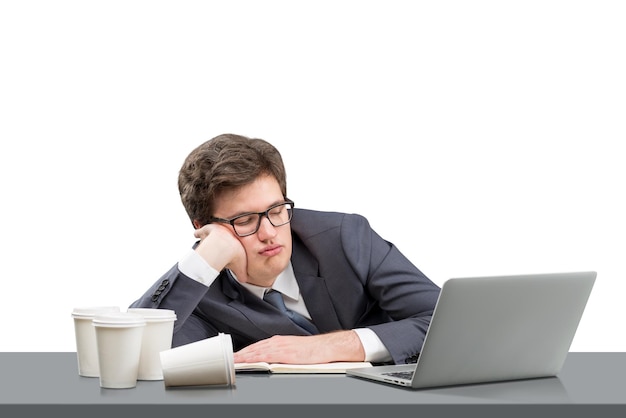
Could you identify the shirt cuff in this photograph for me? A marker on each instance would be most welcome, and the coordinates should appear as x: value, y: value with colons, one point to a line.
x: 193, y: 266
x: 375, y: 350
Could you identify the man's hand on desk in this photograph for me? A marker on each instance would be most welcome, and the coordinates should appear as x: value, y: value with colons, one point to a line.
x: 290, y: 349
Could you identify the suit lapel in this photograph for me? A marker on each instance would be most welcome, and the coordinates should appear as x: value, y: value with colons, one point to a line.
x: 313, y: 289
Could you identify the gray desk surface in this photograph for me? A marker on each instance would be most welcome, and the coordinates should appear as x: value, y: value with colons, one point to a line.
x: 41, y: 382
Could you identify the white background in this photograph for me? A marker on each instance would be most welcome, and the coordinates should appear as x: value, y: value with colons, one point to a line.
x: 481, y: 137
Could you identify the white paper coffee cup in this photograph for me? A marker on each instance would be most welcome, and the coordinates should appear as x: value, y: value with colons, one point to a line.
x: 118, y: 338
x: 86, y: 350
x: 157, y: 337
x: 206, y: 362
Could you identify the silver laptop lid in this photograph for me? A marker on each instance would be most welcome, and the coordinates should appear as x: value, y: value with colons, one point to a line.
x: 502, y: 328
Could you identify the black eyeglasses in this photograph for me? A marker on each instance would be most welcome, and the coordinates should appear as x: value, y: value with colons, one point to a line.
x: 249, y: 223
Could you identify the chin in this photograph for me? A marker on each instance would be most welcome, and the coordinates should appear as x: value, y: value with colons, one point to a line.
x: 269, y: 271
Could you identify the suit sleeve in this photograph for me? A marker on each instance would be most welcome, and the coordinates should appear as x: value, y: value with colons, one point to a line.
x: 399, y: 288
x: 181, y: 294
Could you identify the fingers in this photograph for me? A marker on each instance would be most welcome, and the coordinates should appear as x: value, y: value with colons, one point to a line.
x: 278, y: 349
x: 221, y: 229
x: 202, y: 233
x: 220, y: 248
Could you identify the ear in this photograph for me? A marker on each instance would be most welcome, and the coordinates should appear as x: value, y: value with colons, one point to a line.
x: 197, y: 224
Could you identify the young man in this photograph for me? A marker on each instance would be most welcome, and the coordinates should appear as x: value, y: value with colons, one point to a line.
x: 361, y: 299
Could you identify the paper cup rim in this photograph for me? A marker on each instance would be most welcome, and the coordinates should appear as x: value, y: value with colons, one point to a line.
x: 118, y: 319
x: 92, y: 311
x: 229, y: 363
x: 153, y: 314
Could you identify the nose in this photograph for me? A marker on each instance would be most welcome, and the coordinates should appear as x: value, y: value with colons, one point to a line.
x: 266, y: 229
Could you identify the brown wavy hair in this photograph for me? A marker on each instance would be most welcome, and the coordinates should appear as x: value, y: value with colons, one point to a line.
x: 225, y: 163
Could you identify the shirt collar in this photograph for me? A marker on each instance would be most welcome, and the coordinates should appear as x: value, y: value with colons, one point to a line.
x: 285, y: 283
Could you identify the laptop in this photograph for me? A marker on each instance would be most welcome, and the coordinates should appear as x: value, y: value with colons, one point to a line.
x: 496, y: 328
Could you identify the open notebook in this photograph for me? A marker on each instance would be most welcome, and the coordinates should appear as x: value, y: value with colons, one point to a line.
x: 336, y: 367
x: 489, y: 329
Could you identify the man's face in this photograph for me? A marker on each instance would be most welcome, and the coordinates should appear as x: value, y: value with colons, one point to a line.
x: 269, y: 249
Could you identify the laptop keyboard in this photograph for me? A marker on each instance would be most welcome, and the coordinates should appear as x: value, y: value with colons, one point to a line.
x: 408, y: 375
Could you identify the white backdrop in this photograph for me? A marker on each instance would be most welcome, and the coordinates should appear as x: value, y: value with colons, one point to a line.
x: 481, y: 137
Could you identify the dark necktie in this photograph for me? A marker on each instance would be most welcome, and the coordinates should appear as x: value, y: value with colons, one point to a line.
x: 276, y: 299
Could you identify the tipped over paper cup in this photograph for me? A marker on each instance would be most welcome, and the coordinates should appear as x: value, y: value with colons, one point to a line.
x: 201, y: 363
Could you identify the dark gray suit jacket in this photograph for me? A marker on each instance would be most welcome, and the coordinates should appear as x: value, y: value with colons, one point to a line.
x: 349, y: 278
